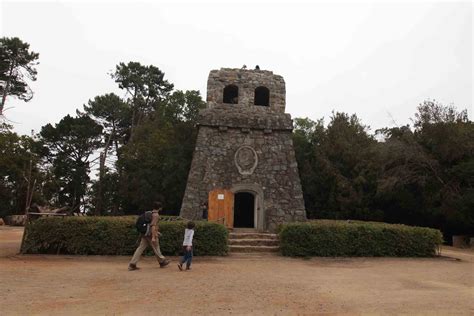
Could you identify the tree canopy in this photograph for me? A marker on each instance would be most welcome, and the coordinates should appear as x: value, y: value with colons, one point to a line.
x: 17, y: 67
x: 67, y: 147
x: 418, y: 176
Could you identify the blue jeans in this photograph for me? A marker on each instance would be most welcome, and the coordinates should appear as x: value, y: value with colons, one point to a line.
x: 188, y: 257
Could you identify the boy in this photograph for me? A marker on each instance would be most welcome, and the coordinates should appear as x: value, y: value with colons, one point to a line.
x: 150, y: 241
x: 188, y: 247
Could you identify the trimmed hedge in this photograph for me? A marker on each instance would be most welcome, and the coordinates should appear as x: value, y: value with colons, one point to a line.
x: 116, y: 236
x: 331, y: 238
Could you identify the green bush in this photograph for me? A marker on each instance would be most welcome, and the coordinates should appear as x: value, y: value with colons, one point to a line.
x: 116, y: 236
x: 331, y: 238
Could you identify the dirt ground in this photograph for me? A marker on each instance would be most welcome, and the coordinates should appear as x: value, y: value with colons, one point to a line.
x: 237, y: 284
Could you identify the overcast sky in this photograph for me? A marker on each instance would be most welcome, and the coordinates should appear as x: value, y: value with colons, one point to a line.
x: 377, y: 60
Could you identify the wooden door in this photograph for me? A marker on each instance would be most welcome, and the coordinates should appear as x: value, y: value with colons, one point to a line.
x: 221, y: 207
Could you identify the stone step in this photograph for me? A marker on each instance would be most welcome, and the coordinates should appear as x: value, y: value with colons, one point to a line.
x: 254, y: 242
x: 243, y: 230
x: 253, y: 236
x: 235, y: 248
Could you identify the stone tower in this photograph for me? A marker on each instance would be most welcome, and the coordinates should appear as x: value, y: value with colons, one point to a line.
x: 244, y: 149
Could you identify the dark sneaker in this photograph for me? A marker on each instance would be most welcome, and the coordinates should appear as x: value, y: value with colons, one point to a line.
x: 164, y: 263
x: 180, y: 266
x: 132, y: 267
x: 188, y: 268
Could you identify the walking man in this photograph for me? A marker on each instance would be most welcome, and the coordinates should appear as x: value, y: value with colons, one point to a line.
x: 150, y: 238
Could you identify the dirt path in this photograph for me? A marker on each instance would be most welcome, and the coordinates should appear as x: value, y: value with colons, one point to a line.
x: 237, y: 284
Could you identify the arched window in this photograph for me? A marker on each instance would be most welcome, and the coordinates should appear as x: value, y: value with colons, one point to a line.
x: 231, y: 94
x: 262, y: 96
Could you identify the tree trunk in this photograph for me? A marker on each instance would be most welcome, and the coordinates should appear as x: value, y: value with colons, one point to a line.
x: 103, y: 156
x: 28, y: 183
x: 6, y: 88
x: 98, y: 209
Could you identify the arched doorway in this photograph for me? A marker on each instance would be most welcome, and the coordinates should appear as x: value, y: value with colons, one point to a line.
x: 244, y: 210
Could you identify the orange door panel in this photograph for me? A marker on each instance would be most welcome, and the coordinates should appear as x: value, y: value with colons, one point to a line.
x: 221, y: 207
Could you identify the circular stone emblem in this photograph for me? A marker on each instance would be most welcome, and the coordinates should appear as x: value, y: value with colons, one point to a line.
x: 246, y: 160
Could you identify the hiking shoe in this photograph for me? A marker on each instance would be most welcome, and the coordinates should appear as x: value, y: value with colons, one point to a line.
x: 164, y: 263
x: 132, y: 267
x: 180, y: 266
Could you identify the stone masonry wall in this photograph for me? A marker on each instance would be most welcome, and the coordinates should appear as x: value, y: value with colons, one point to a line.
x: 276, y: 171
x: 247, y: 81
x: 246, y: 148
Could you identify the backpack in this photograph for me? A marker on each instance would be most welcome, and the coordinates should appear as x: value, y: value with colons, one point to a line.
x: 143, y: 223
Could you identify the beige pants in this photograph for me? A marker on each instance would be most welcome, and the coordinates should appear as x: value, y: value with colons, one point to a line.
x: 145, y: 242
